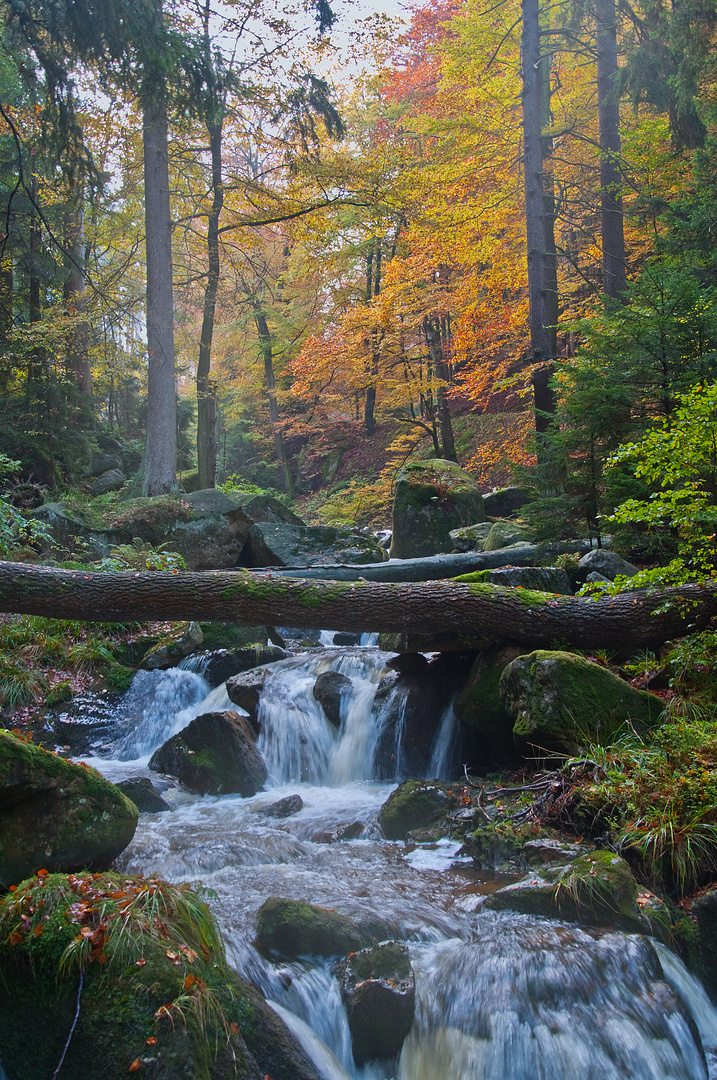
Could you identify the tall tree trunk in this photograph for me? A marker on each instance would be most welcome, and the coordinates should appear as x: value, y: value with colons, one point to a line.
x: 479, y: 614
x: 539, y: 216
x: 432, y: 329
x: 159, y: 466
x: 262, y: 328
x: 206, y: 387
x: 373, y: 282
x: 611, y: 215
x: 78, y: 345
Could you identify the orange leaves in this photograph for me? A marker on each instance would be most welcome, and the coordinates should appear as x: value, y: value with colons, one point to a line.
x: 15, y: 938
x: 135, y: 1066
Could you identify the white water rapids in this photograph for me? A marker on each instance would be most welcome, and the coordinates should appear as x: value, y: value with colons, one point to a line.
x: 499, y: 996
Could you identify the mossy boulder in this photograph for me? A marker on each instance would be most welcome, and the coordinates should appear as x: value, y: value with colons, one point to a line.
x: 279, y: 544
x: 56, y: 815
x: 470, y: 537
x: 598, y: 889
x: 162, y: 1003
x: 504, y: 534
x: 214, y: 755
x: 550, y: 579
x: 294, y: 928
x: 562, y: 702
x: 378, y: 990
x: 480, y: 708
x: 505, y: 501
x: 415, y: 804
x: 182, y: 641
x: 142, y: 792
x: 431, y: 498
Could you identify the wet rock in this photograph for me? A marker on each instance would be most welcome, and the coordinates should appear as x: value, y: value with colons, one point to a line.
x: 182, y: 642
x: 605, y: 562
x: 223, y: 664
x: 432, y: 498
x: 329, y: 690
x: 284, y: 807
x: 347, y: 830
x: 89, y: 725
x: 56, y: 815
x: 479, y: 706
x: 410, y: 663
x: 470, y: 537
x: 69, y: 532
x: 344, y: 638
x: 303, y: 545
x: 505, y: 501
x: 561, y: 702
x: 504, y: 534
x: 549, y: 579
x: 214, y: 755
x: 415, y: 804
x: 109, y: 481
x: 143, y: 794
x: 702, y: 955
x: 378, y: 990
x: 245, y: 690
x: 295, y: 928
x: 549, y: 849
x: 598, y: 889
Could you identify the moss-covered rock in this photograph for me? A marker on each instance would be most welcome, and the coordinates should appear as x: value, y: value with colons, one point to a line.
x: 159, y: 1000
x: 505, y: 534
x: 294, y: 928
x: 415, y: 804
x: 598, y: 889
x: 142, y: 792
x: 215, y: 754
x: 378, y: 990
x: 562, y: 702
x: 702, y: 946
x: 470, y: 537
x: 430, y: 499
x: 182, y: 641
x: 56, y: 815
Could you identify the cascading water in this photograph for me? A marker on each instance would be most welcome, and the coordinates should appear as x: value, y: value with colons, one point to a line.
x: 499, y: 996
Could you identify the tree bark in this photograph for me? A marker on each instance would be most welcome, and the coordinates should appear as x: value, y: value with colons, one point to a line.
x: 78, y: 345
x: 160, y: 453
x: 482, y: 614
x: 539, y: 216
x: 613, y: 233
x: 262, y: 328
x: 206, y: 389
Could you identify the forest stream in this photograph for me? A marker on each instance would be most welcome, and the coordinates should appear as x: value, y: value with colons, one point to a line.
x: 499, y: 996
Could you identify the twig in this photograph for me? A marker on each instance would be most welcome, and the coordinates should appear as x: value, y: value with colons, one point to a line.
x: 72, y: 1029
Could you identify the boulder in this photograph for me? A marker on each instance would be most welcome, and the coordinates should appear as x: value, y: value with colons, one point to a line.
x: 562, y: 702
x: 223, y: 664
x: 505, y: 501
x: 598, y: 889
x: 214, y: 537
x: 285, y: 807
x: 90, y: 723
x: 329, y: 689
x: 103, y: 463
x: 415, y: 804
x: 182, y: 642
x: 70, y: 533
x: 549, y: 579
x: 112, y: 480
x: 505, y: 534
x: 342, y: 637
x: 430, y: 499
x: 173, y: 1008
x: 295, y: 928
x: 143, y: 794
x: 605, y: 562
x: 214, y: 755
x: 379, y: 992
x: 279, y: 544
x: 56, y: 815
x: 702, y: 911
x: 480, y: 708
x: 245, y: 690
x: 470, y: 537
x: 229, y: 635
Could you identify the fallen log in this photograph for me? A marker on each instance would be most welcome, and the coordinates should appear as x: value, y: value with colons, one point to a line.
x: 440, y: 567
x: 478, y: 613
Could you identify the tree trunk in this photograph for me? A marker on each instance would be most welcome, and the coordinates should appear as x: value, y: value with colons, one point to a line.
x: 539, y: 216
x: 159, y: 466
x: 481, y: 614
x: 265, y: 345
x: 611, y: 216
x: 436, y: 343
x: 206, y: 388
x: 78, y: 344
x: 373, y: 289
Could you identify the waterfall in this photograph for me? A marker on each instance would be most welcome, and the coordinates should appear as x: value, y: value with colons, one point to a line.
x: 157, y: 704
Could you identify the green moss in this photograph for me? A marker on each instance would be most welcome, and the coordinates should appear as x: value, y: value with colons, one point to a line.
x: 415, y: 804
x: 390, y: 960
x: 59, y: 693
x: 295, y: 928
x: 118, y: 678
